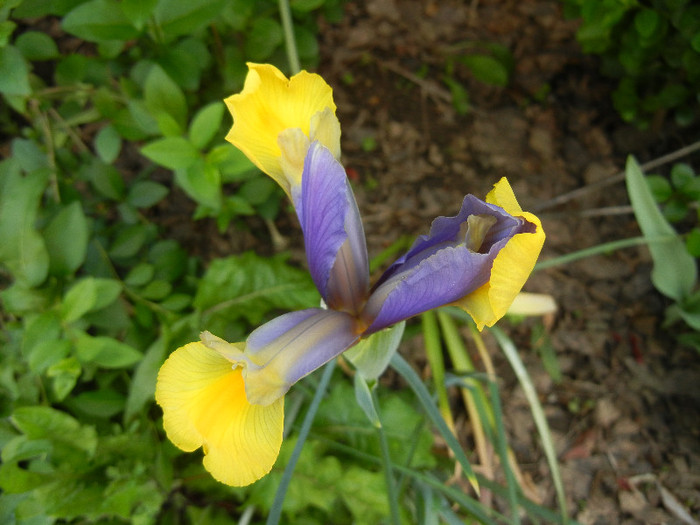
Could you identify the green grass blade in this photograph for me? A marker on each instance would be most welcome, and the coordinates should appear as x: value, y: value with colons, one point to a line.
x: 391, y: 492
x: 276, y: 510
x: 518, y: 367
x: 404, y: 369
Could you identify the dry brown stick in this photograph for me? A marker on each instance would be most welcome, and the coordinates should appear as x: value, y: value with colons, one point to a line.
x: 618, y: 177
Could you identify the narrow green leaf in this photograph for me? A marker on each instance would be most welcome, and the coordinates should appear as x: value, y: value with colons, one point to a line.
x: 66, y: 239
x: 99, y: 20
x: 404, y: 369
x: 528, y: 387
x: 675, y: 272
x: 363, y: 396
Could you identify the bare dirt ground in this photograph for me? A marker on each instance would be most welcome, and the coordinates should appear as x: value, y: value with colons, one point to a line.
x: 625, y: 416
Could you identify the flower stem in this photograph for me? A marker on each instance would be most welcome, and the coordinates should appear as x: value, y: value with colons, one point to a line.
x: 290, y: 42
x: 276, y: 510
x: 391, y: 493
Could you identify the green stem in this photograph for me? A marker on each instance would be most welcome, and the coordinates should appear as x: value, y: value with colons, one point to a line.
x: 290, y: 42
x: 276, y: 511
x: 599, y: 249
x: 391, y: 493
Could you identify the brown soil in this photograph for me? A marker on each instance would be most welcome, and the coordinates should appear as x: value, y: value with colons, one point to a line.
x: 625, y: 414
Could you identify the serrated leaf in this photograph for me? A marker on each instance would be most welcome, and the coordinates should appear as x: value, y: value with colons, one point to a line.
x: 172, y: 152
x: 675, y: 272
x: 205, y: 124
x: 99, y: 20
x: 66, y: 239
x: 250, y: 286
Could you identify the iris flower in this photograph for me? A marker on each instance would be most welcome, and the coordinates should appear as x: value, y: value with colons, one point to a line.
x: 228, y: 397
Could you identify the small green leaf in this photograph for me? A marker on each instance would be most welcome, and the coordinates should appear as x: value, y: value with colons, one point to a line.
x: 206, y: 124
x: 681, y: 174
x: 675, y: 272
x: 647, y: 22
x: 143, y: 385
x: 106, y: 180
x: 47, y: 353
x: 66, y: 239
x: 156, y: 290
x: 257, y: 190
x: 106, y: 352
x: 460, y: 96
x: 64, y: 375
x: 129, y: 241
x: 108, y: 144
x: 183, y: 17
x: 202, y: 182
x: 175, y: 153
x: 99, y: 20
x: 138, y: 11
x: 164, y: 96
x: 145, y: 194
x: 36, y: 46
x: 22, y: 249
x: 692, y: 242
x: 139, y: 275
x: 14, y: 73
x: 79, y: 300
x: 41, y: 422
x: 660, y: 187
x: 263, y: 38
x: 487, y: 69
x: 103, y: 403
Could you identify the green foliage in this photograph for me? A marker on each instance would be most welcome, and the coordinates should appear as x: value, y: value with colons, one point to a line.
x: 650, y: 48
x: 94, y: 295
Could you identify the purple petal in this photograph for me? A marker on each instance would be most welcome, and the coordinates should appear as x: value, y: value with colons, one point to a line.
x: 439, y: 268
x: 284, y: 350
x: 336, y: 250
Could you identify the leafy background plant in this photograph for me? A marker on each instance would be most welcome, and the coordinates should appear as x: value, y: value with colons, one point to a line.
x: 652, y: 49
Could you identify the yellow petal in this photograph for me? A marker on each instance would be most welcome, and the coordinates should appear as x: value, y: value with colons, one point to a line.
x: 270, y: 104
x: 512, y: 266
x: 204, y: 404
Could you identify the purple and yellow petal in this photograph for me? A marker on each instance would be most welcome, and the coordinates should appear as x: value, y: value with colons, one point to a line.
x: 335, y: 244
x: 204, y: 404
x: 512, y: 266
x: 293, y: 345
x: 270, y: 104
